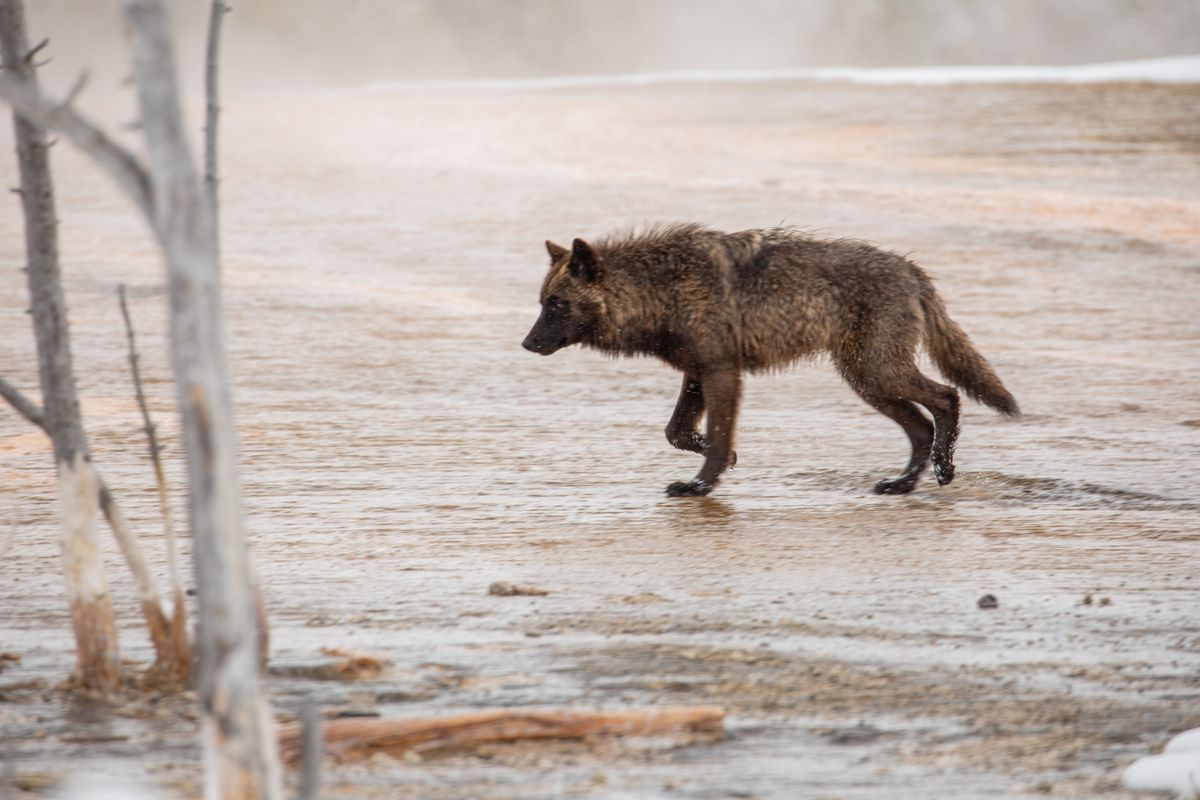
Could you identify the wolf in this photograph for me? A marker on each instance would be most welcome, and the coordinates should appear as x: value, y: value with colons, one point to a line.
x: 718, y: 305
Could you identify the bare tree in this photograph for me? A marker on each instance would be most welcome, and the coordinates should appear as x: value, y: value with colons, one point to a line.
x: 175, y: 654
x: 238, y: 729
x: 49, y: 310
x: 78, y: 487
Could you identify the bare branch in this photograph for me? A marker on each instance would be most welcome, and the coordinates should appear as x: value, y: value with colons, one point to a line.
x: 10, y: 775
x: 175, y: 653
x: 126, y: 168
x: 23, y: 405
x: 312, y: 750
x: 37, y: 48
x: 212, y: 108
x: 76, y: 88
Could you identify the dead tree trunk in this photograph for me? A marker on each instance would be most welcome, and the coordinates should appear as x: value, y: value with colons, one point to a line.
x: 78, y: 486
x: 239, y: 731
x: 212, y: 183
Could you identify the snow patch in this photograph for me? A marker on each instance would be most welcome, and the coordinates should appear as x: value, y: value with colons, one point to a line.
x: 1176, y: 769
x: 1184, y: 742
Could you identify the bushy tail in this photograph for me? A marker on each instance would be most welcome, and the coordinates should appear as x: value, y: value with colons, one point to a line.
x: 958, y: 360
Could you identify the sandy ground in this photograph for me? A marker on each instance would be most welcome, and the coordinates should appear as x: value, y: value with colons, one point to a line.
x: 401, y: 451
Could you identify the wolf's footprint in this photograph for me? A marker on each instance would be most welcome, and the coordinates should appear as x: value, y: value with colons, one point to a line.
x: 689, y: 489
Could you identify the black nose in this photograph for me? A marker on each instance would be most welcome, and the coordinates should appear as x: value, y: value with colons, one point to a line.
x: 529, y: 345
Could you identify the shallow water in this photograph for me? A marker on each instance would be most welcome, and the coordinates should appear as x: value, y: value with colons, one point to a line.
x: 383, y: 254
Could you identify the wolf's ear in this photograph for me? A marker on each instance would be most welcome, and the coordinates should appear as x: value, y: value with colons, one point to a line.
x: 556, y: 251
x: 584, y: 263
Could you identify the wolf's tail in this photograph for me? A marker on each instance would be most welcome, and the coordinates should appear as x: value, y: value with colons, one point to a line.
x: 958, y: 360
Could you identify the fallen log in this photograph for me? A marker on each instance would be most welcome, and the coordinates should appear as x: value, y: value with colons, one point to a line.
x: 357, y: 738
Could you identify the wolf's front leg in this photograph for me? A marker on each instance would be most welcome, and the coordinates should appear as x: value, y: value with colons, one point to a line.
x: 722, y: 391
x: 681, y: 430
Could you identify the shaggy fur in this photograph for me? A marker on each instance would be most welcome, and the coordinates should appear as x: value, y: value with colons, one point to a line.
x: 715, y: 305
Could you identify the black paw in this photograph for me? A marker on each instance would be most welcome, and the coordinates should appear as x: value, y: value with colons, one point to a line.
x: 689, y: 489
x: 944, y: 473
x: 691, y: 441
x: 900, y: 485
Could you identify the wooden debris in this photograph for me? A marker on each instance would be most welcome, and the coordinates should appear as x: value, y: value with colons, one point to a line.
x: 356, y: 739
x: 506, y: 589
x: 353, y: 666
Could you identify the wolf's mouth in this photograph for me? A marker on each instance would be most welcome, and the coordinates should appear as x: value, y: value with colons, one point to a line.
x: 544, y: 349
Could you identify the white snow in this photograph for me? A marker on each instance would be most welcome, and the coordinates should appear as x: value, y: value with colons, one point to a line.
x: 1179, y: 69
x: 1176, y: 769
x: 97, y: 787
x: 1169, y: 772
x: 1186, y: 741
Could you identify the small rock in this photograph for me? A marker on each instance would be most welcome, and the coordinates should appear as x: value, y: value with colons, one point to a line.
x: 1105, y: 601
x: 988, y: 601
x: 506, y: 589
x: 1087, y: 599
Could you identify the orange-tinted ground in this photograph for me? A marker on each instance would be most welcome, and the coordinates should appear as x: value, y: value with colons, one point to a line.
x: 383, y: 253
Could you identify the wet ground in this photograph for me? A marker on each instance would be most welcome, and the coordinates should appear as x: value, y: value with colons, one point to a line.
x: 383, y: 252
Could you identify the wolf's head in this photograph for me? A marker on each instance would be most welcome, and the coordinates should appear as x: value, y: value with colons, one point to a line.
x: 572, y: 299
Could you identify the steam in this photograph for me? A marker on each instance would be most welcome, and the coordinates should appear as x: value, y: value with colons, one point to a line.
x: 302, y: 43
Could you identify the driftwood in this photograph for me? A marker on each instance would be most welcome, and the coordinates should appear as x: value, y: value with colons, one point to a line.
x: 357, y: 738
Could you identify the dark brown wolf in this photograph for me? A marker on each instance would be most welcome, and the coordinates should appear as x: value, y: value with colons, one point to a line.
x: 715, y: 305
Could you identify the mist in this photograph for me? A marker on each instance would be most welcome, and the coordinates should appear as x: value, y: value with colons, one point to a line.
x: 273, y: 43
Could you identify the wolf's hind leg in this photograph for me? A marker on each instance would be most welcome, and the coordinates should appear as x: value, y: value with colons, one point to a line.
x: 722, y: 393
x: 942, y: 402
x: 920, y: 434
x: 889, y: 381
x: 681, y: 430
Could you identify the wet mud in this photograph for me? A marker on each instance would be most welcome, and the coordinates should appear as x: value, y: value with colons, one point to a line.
x: 401, y: 453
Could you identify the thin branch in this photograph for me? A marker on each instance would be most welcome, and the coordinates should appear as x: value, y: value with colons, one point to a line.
x: 76, y: 88
x: 126, y: 168
x: 134, y: 360
x: 23, y: 405
x: 156, y: 621
x: 212, y: 107
x: 37, y: 48
x: 180, y: 660
x: 10, y: 775
x: 313, y: 750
